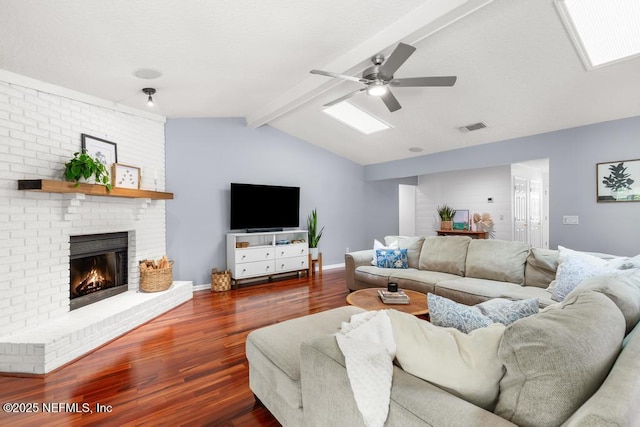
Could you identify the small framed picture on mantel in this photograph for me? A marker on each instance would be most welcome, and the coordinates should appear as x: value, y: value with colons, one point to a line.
x: 618, y: 181
x: 125, y: 176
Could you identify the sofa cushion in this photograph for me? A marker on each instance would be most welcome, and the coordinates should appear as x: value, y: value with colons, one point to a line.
x: 373, y: 276
x: 557, y: 359
x: 446, y: 254
x: 413, y: 245
x: 472, y: 291
x: 418, y: 280
x: 623, y: 289
x: 464, y: 364
x: 500, y: 260
x: 541, y: 267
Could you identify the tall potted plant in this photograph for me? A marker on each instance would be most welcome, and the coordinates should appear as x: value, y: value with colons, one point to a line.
x: 313, y: 233
x: 446, y: 214
x: 83, y: 167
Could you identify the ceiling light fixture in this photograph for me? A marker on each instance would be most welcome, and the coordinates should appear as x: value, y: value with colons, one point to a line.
x: 377, y: 89
x: 149, y: 91
x: 356, y: 118
x: 604, y: 32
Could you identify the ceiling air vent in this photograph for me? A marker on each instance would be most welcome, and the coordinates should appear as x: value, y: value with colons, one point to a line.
x: 472, y: 127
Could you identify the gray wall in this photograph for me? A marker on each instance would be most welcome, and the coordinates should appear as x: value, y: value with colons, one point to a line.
x: 573, y: 154
x: 205, y: 155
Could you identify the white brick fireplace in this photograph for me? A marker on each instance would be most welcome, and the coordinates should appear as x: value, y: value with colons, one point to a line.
x: 40, y: 128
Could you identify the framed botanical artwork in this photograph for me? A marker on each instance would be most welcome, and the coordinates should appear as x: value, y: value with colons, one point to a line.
x: 105, y: 152
x: 125, y: 176
x: 618, y: 181
x: 461, y: 220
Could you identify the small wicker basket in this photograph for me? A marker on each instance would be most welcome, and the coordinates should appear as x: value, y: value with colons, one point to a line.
x: 156, y: 280
x: 220, y: 280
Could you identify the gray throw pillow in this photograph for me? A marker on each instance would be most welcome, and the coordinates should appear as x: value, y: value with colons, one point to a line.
x: 501, y: 310
x: 557, y: 359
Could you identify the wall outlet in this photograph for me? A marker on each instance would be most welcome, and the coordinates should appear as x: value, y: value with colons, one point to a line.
x: 570, y: 220
x: 346, y: 250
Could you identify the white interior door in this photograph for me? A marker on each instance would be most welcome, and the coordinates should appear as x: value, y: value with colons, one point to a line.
x: 535, y: 214
x: 520, y: 210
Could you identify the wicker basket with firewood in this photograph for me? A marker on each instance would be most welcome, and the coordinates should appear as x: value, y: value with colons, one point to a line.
x: 156, y: 276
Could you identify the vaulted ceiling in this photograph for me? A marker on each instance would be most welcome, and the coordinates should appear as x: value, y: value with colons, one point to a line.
x: 517, y: 70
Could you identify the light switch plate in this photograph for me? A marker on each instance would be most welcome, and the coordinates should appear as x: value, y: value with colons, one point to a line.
x: 570, y: 219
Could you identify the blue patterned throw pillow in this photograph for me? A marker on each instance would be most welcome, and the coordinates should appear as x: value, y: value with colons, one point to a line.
x: 450, y: 314
x: 391, y: 258
x: 501, y: 310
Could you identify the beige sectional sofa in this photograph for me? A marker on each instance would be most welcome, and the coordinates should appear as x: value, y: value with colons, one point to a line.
x: 465, y: 270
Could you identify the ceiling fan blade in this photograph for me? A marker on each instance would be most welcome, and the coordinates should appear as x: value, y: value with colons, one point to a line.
x: 390, y: 101
x: 343, y: 98
x: 424, y: 81
x: 397, y: 58
x: 339, y: 76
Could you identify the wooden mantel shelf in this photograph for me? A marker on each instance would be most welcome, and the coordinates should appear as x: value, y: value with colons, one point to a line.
x: 51, y: 186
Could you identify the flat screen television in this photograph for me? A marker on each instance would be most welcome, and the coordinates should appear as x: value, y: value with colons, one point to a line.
x: 264, y: 207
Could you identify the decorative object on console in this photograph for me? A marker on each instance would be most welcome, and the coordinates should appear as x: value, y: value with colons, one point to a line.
x: 446, y: 214
x: 314, y: 234
x: 125, y: 176
x: 616, y: 179
x: 484, y: 223
x: 83, y: 167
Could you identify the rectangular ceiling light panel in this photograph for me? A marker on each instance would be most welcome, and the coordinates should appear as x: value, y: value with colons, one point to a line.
x: 603, y: 31
x: 356, y: 118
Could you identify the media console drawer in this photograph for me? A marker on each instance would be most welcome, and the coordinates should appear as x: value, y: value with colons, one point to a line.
x: 252, y: 269
x: 294, y: 263
x: 253, y: 255
x: 288, y: 251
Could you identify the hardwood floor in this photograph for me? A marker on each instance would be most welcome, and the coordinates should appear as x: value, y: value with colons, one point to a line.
x: 186, y: 367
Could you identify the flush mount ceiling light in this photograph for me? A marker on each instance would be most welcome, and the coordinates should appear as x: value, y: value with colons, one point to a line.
x: 149, y: 91
x: 147, y: 74
x: 603, y: 32
x: 356, y: 118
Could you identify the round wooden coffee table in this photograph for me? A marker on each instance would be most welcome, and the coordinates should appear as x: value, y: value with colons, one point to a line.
x: 368, y: 299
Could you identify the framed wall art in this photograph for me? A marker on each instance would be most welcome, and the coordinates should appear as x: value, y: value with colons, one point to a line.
x: 125, y: 176
x: 461, y: 220
x: 105, y: 151
x: 618, y: 181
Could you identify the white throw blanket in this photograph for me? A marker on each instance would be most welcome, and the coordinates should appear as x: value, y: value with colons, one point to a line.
x: 369, y: 349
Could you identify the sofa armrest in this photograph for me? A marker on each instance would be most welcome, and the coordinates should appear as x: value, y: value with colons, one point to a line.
x: 353, y: 260
x: 327, y: 398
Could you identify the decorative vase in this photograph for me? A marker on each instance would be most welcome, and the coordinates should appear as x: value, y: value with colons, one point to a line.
x: 620, y: 194
x: 90, y: 180
x: 314, y: 253
x: 446, y: 225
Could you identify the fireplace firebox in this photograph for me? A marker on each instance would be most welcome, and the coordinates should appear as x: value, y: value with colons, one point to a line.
x: 98, y: 267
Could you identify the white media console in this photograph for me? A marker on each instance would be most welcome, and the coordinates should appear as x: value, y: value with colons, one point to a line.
x: 267, y: 253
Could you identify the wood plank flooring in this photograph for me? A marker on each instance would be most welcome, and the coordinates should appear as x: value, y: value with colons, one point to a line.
x: 186, y: 367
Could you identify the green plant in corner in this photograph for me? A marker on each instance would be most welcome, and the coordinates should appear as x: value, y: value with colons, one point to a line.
x: 84, y: 166
x: 446, y: 213
x: 312, y: 229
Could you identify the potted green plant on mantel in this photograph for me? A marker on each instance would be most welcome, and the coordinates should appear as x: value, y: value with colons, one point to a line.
x: 84, y: 168
x: 313, y: 233
x: 618, y: 181
x: 446, y: 214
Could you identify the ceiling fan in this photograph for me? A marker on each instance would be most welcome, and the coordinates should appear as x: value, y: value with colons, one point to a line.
x: 379, y: 77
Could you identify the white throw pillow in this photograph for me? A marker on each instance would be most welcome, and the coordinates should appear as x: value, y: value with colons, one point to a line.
x: 574, y: 267
x: 466, y: 365
x: 377, y: 244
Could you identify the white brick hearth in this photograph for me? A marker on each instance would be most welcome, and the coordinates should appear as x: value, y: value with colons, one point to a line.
x: 40, y: 128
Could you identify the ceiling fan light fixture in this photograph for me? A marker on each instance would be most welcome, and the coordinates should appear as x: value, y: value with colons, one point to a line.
x: 377, y: 89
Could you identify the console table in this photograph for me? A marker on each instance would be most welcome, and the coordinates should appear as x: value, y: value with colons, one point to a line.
x: 472, y: 234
